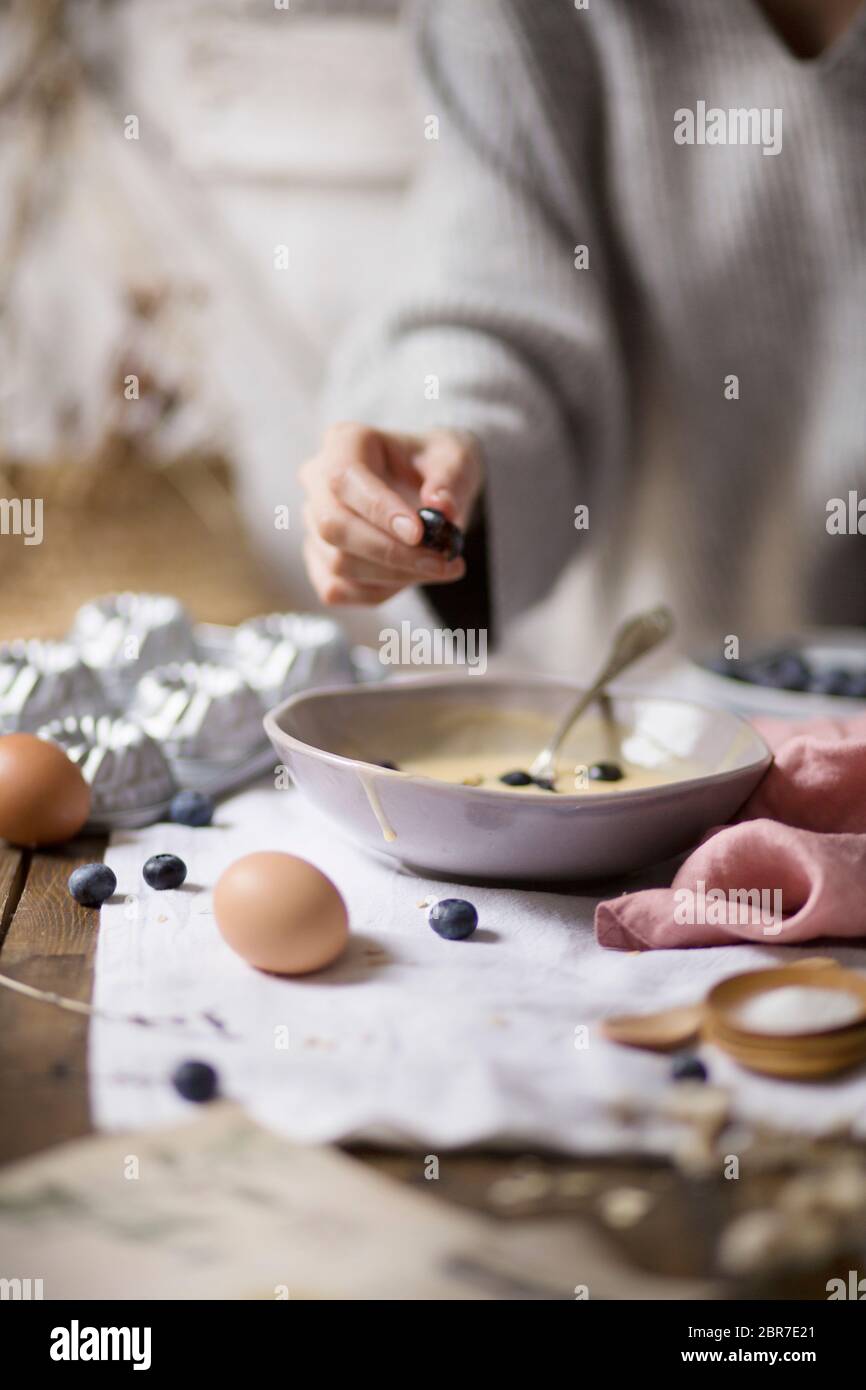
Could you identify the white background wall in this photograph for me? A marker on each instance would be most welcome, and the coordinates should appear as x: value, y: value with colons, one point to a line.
x: 257, y: 127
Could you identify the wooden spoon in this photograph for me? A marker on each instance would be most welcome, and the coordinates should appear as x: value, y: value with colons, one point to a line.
x: 659, y: 1032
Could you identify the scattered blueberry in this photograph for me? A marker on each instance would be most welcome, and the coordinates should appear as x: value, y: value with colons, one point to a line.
x: 390, y: 767
x: 191, y: 808
x: 196, y: 1081
x: 453, y: 918
x: 92, y: 884
x: 605, y: 772
x: 688, y: 1067
x: 516, y: 779
x: 440, y: 533
x: 164, y: 871
x: 781, y: 671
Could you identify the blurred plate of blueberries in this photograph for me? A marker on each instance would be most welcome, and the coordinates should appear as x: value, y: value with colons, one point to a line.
x: 815, y: 672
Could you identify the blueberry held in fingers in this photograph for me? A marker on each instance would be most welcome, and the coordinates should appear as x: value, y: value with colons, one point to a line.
x: 164, y: 871
x: 453, y: 918
x: 440, y: 534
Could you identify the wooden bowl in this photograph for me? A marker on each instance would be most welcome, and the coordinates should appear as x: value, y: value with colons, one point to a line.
x: 803, y: 1064
x: 806, y: 1055
x: 727, y: 996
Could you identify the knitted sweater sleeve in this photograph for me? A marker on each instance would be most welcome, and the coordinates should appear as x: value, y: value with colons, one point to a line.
x: 489, y: 326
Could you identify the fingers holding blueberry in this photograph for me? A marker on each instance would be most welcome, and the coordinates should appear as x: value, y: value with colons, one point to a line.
x: 383, y: 512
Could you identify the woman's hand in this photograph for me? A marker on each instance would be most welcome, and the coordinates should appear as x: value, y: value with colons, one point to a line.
x: 363, y: 490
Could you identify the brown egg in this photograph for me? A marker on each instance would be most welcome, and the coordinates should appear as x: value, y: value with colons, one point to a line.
x: 43, y: 797
x: 280, y: 913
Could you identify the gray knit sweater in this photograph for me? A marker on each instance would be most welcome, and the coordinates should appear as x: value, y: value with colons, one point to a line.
x: 697, y: 376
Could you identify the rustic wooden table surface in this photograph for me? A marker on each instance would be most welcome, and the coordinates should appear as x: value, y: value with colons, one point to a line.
x: 48, y: 940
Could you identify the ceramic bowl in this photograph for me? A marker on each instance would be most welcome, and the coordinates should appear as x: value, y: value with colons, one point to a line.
x: 824, y: 649
x: 332, y: 740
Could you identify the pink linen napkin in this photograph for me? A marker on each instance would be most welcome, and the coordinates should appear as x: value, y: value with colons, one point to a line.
x: 801, y: 835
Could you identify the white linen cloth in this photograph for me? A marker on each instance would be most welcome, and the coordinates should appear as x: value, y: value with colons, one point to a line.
x: 409, y: 1038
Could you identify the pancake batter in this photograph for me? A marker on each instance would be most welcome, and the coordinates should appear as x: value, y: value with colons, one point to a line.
x: 479, y: 748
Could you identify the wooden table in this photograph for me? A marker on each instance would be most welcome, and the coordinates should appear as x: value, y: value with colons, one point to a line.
x: 48, y: 940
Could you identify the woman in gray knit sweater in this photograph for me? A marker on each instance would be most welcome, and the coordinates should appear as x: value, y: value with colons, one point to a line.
x: 629, y: 326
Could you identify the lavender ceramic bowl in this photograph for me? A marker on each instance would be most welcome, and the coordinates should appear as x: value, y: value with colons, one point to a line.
x: 332, y: 740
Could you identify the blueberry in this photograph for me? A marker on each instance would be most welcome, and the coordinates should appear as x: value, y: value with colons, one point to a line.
x: 545, y: 783
x: 164, y: 871
x: 191, y: 808
x: 688, y: 1067
x: 92, y: 884
x: 440, y: 533
x: 855, y: 688
x: 453, y: 918
x: 516, y: 779
x: 196, y: 1081
x: 830, y: 682
x: 728, y: 667
x: 605, y: 772
x: 781, y: 671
